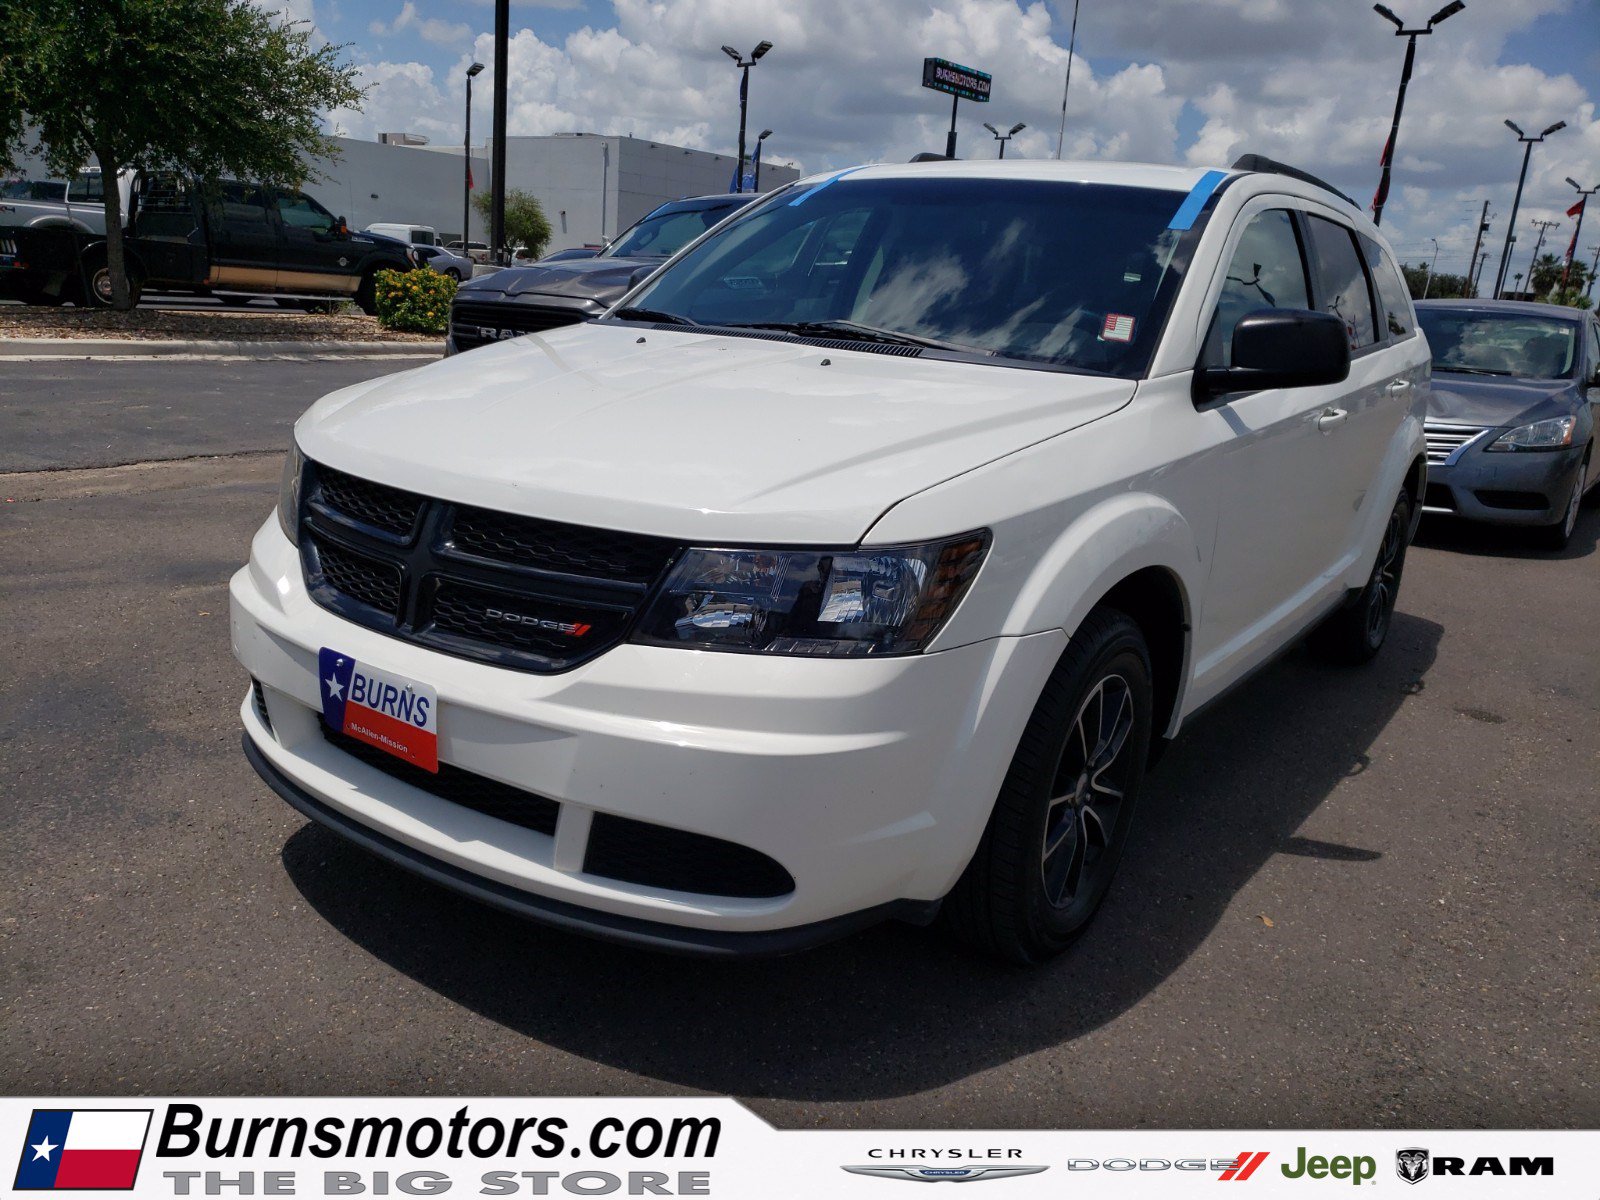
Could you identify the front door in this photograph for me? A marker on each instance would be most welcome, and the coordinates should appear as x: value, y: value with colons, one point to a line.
x: 318, y: 256
x: 1277, y: 514
x: 244, y: 238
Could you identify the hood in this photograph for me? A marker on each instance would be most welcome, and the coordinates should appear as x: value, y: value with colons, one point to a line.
x: 692, y: 436
x: 602, y: 279
x: 1496, y: 400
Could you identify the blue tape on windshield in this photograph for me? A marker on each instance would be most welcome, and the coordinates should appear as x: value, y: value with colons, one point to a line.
x: 1196, y: 200
x: 828, y: 182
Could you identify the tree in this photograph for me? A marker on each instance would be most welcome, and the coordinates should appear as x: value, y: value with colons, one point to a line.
x: 1439, y: 287
x: 526, y: 224
x: 203, y: 87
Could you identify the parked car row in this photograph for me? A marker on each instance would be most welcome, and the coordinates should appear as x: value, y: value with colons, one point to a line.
x: 854, y: 563
x: 184, y: 236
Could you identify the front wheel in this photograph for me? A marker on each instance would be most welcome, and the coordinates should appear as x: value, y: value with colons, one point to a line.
x: 1556, y: 537
x: 1063, y: 815
x: 1356, y: 631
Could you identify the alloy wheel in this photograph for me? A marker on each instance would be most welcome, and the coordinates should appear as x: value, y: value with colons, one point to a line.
x: 1088, y: 789
x: 1385, y: 583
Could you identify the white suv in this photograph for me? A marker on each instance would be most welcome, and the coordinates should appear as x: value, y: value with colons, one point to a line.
x: 854, y: 565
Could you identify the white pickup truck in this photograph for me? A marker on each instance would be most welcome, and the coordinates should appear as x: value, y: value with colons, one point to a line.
x: 78, y: 203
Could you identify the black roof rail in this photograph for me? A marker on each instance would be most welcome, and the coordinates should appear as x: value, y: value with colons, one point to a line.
x: 1260, y: 162
x: 930, y: 156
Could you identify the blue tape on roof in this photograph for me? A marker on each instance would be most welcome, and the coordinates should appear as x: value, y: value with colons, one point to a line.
x: 1196, y: 200
x: 828, y: 182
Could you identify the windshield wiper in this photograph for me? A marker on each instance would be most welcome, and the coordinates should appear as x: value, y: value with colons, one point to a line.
x: 859, y: 332
x: 652, y: 314
x: 1470, y: 370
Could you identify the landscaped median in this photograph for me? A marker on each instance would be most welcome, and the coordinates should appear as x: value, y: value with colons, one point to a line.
x: 51, y: 331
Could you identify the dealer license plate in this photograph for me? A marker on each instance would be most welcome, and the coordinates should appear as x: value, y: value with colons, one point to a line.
x: 378, y: 707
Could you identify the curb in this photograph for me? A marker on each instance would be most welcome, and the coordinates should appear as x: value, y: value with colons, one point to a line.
x: 146, y: 348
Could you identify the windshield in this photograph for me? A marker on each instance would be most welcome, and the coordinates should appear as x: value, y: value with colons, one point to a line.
x: 1483, y: 342
x: 662, y: 234
x: 1074, y: 275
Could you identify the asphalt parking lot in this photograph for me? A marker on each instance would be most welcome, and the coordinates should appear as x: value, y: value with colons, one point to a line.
x: 1355, y: 898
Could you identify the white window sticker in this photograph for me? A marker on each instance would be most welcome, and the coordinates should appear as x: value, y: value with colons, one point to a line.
x: 1117, y: 328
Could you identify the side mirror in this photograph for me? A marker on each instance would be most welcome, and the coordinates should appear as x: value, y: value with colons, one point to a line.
x: 1279, y: 348
x: 340, y: 228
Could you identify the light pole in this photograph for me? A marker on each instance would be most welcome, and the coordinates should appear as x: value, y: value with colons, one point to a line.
x: 1066, y: 88
x: 1428, y: 283
x: 466, y: 180
x: 1582, y: 207
x: 1381, y: 197
x: 1594, y: 270
x: 760, y: 137
x: 1543, y: 227
x: 1511, y: 224
x: 1477, y: 272
x: 1472, y: 263
x: 744, y: 65
x: 1003, y: 138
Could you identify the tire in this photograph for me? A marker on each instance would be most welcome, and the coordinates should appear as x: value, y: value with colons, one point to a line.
x: 1058, y: 827
x: 454, y: 274
x: 98, y: 289
x: 1556, y: 537
x: 366, y: 296
x: 1354, y: 633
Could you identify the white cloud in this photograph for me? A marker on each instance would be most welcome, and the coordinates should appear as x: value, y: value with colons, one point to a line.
x: 1311, y: 83
x: 430, y: 29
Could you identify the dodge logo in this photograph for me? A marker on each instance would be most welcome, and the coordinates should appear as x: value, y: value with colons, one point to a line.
x: 570, y: 628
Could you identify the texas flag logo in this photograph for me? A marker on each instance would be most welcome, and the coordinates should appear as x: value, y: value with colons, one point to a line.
x: 77, y: 1149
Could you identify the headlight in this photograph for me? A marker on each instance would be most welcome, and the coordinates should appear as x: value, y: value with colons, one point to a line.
x: 289, y: 493
x: 831, y: 603
x: 1554, y: 434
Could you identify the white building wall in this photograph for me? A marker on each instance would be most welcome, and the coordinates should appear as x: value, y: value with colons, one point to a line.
x: 371, y: 182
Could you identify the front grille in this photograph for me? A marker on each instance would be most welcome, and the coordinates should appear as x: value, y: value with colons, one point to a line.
x: 552, y: 546
x: 369, y: 581
x: 8, y: 247
x: 372, y: 504
x: 655, y: 856
x: 478, y: 324
x: 466, y: 788
x: 512, y: 590
x: 1446, y: 441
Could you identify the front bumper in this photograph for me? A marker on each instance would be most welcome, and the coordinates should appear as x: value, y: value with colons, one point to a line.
x: 868, y: 781
x: 1529, y: 487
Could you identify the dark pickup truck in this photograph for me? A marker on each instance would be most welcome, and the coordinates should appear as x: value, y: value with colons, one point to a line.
x: 185, y: 236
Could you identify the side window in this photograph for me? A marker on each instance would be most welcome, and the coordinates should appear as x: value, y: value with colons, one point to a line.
x: 87, y: 186
x: 1267, y: 271
x: 243, y: 203
x: 300, y: 211
x: 1394, y: 299
x: 1342, y: 282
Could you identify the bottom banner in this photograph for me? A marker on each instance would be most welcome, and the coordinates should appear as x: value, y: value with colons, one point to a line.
x: 708, y: 1147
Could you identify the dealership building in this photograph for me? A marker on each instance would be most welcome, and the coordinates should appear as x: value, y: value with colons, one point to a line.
x: 592, y: 186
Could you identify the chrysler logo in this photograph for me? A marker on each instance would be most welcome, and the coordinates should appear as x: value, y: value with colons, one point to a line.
x: 952, y: 1174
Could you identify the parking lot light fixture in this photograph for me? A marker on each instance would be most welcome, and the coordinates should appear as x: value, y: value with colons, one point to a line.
x: 466, y: 170
x: 761, y: 137
x: 1527, y: 152
x: 1381, y: 196
x: 744, y: 64
x: 1003, y: 138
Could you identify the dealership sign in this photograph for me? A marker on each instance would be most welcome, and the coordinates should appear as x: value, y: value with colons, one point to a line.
x: 962, y: 82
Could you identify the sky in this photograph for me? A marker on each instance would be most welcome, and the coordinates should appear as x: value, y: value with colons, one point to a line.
x: 1310, y: 82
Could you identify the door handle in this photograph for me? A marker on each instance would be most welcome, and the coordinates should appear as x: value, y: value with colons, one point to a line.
x: 1400, y: 385
x: 1330, y: 418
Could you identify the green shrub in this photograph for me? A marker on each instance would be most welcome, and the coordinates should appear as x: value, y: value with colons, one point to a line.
x: 414, y: 301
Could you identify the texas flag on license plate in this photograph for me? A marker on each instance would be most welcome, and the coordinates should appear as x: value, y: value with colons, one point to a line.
x: 82, y: 1148
x: 382, y: 709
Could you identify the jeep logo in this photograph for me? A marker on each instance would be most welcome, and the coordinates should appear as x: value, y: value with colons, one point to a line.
x: 1357, y: 1169
x: 570, y: 629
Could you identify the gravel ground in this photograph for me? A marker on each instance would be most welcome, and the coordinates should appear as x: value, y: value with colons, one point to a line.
x: 200, y: 326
